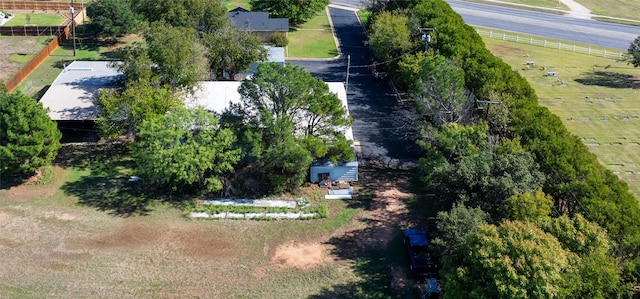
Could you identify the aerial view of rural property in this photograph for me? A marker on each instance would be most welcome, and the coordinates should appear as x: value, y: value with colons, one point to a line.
x: 432, y: 149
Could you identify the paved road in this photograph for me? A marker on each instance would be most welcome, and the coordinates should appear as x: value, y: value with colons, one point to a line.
x: 370, y: 100
x: 566, y: 28
x: 589, y: 32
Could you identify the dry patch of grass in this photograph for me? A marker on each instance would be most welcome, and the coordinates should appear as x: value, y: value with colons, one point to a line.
x: 595, y: 97
x: 67, y: 239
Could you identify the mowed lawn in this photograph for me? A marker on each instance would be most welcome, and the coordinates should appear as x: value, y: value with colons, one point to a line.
x: 40, y: 19
x: 596, y: 98
x: 313, y: 39
x: 92, y: 234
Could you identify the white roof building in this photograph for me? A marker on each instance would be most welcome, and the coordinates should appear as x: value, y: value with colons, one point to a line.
x: 73, y: 95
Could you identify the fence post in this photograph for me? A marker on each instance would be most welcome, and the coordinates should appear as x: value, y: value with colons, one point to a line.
x: 517, y: 38
x: 559, y: 43
x: 604, y: 53
x: 589, y: 50
x: 531, y: 41
x: 545, y: 43
x: 490, y: 34
x: 503, y: 36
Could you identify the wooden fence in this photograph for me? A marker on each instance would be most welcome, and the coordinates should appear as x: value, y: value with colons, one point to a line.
x: 37, y: 60
x: 32, y: 30
x: 45, y: 6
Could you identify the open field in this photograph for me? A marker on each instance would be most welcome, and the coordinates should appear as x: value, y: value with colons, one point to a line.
x: 15, y: 51
x: 313, y: 39
x: 595, y: 97
x: 90, y: 234
x: 41, y: 19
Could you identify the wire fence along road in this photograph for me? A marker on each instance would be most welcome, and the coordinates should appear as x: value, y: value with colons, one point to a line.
x: 549, y: 44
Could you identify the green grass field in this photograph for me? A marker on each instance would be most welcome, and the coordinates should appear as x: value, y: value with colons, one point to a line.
x: 90, y: 234
x: 39, y: 19
x: 627, y: 9
x: 596, y: 98
x: 313, y: 39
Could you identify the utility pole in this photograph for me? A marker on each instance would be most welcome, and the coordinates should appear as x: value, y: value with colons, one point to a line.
x: 426, y: 36
x: 73, y: 28
x: 346, y: 87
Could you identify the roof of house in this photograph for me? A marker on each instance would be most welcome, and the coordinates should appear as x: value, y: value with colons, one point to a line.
x: 73, y: 95
x: 218, y: 95
x: 257, y: 21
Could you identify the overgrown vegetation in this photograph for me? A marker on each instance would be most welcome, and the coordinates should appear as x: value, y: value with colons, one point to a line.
x: 506, y: 130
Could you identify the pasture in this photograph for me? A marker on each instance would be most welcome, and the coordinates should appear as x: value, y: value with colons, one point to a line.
x: 596, y: 98
x: 91, y: 234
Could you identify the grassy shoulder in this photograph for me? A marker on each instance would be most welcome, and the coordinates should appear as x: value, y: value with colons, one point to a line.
x: 21, y: 19
x: 594, y: 97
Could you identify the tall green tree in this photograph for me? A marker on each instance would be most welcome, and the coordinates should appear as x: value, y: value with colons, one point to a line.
x: 634, y: 52
x: 390, y: 36
x: 597, y: 273
x: 513, y: 260
x: 529, y: 206
x: 174, y: 54
x: 439, y: 92
x: 297, y: 11
x: 111, y: 18
x: 200, y: 15
x: 291, y: 118
x: 455, y: 225
x: 122, y: 111
x: 29, y: 139
x: 186, y: 149
x: 231, y: 50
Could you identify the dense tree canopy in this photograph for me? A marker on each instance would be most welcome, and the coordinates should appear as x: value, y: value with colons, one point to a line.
x: 390, y: 36
x: 455, y: 225
x: 122, y: 111
x: 174, y: 54
x: 231, y: 50
x: 185, y: 149
x: 513, y: 260
x: 574, y: 178
x: 200, y: 15
x: 111, y: 18
x: 288, y: 119
x: 439, y: 94
x: 29, y: 139
x: 297, y: 11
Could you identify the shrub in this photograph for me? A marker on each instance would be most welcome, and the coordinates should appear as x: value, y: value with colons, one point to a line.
x: 278, y: 39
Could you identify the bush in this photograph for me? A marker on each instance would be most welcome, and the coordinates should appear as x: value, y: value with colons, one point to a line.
x: 323, y: 211
x: 278, y: 39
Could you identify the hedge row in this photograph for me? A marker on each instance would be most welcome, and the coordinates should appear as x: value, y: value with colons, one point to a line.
x: 575, y: 178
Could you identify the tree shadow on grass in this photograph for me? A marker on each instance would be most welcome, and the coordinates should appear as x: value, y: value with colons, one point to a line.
x: 610, y: 79
x: 106, y: 186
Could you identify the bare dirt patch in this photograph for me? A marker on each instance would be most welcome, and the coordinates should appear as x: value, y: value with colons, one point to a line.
x: 204, y: 245
x: 11, y: 46
x: 501, y: 50
x: 303, y: 256
x: 29, y: 190
x: 130, y: 235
